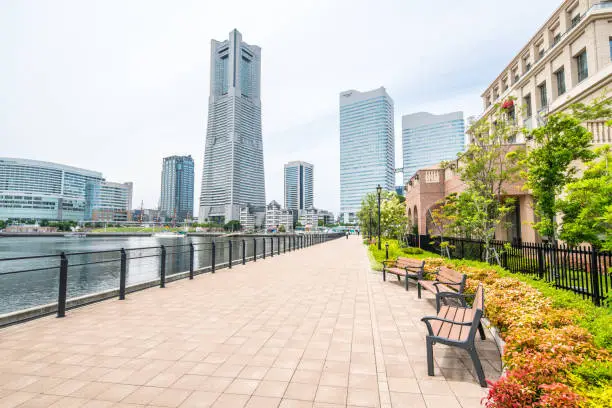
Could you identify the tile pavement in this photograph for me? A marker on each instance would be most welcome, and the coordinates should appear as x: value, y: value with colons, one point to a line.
x: 313, y: 328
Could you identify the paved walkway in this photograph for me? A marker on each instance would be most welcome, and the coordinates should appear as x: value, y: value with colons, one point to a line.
x: 313, y: 328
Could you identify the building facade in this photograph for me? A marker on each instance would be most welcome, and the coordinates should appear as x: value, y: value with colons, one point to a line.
x: 233, y: 174
x: 298, y: 185
x: 32, y: 189
x: 252, y: 218
x: 311, y: 217
x: 429, y: 139
x: 176, y: 200
x: 277, y: 216
x: 113, y: 202
x: 567, y: 61
x: 367, y: 148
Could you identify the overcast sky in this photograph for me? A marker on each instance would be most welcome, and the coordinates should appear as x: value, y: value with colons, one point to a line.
x: 115, y: 86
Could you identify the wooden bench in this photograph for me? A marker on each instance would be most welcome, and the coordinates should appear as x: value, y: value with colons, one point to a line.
x: 456, y: 326
x: 447, y: 280
x: 406, y: 267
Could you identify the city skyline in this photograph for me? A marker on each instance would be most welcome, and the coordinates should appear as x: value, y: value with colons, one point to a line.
x: 144, y: 98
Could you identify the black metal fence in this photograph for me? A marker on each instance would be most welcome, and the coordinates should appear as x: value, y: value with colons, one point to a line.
x: 582, y: 269
x: 53, y: 283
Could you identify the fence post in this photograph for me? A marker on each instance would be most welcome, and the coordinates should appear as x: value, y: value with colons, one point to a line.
x: 162, y: 266
x: 540, y: 261
x: 462, y: 249
x: 284, y: 244
x: 191, y: 257
x: 505, y: 258
x: 271, y: 247
x: 230, y: 254
x: 63, y: 286
x: 254, y: 249
x: 263, y: 250
x: 243, y: 252
x: 278, y: 246
x: 213, y: 254
x: 595, y: 276
x: 122, y: 274
x: 480, y: 250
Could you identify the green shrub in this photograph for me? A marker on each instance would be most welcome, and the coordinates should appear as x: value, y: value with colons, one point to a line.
x: 412, y: 251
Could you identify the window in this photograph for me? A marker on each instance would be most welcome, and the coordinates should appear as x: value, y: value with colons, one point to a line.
x: 556, y: 39
x: 543, y: 96
x: 560, y: 77
x: 610, y: 47
x: 527, y: 101
x: 541, y: 53
x: 575, y: 20
x: 528, y: 67
x: 583, y: 68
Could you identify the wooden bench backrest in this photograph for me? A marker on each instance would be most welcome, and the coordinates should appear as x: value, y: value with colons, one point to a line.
x: 446, y: 275
x: 410, y: 263
x: 479, y: 298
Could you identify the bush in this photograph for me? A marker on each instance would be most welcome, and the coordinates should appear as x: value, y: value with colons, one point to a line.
x: 412, y: 251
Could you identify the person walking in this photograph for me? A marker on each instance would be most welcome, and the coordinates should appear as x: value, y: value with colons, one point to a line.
x: 347, y: 234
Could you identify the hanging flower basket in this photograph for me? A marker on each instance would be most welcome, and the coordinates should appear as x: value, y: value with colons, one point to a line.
x: 508, y: 104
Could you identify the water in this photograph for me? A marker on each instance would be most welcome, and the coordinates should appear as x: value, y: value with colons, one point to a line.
x: 91, y: 273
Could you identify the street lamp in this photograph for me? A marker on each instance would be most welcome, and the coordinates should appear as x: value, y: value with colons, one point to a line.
x: 370, y: 229
x: 378, y: 192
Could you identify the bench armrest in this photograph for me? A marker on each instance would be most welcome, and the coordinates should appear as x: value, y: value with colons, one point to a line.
x: 426, y: 320
x: 439, y: 282
x: 460, y: 296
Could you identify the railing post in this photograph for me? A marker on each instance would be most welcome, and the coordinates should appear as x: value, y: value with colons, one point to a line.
x: 230, y: 254
x: 254, y: 249
x: 213, y: 254
x: 63, y: 286
x: 271, y: 247
x: 540, y: 261
x: 162, y: 266
x: 122, y: 274
x: 284, y: 244
x: 191, y: 258
x: 595, y: 276
x: 263, y: 248
x: 243, y: 252
x: 278, y: 245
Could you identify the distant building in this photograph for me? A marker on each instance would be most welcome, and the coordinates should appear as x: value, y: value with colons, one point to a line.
x: 32, y: 189
x: 311, y: 216
x: 277, y: 216
x: 252, y: 218
x: 367, y: 148
x: 298, y: 185
x: 348, y: 218
x: 233, y: 174
x: 399, y: 190
x: 177, y: 188
x: 428, y: 139
x: 146, y: 215
x: 113, y: 202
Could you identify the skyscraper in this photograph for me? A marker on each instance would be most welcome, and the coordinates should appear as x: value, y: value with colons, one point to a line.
x: 298, y: 185
x: 367, y: 147
x: 429, y: 139
x: 233, y: 174
x: 177, y: 188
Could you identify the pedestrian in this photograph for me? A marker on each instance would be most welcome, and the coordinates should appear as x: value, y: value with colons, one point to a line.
x: 347, y: 234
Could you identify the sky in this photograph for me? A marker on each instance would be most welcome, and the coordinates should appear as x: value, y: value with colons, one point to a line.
x: 116, y: 85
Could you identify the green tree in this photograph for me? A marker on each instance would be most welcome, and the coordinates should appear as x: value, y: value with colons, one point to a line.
x: 490, y: 163
x: 587, y: 205
x: 393, y: 220
x: 233, y: 225
x: 281, y: 228
x: 559, y: 146
x: 321, y: 223
x: 2, y: 224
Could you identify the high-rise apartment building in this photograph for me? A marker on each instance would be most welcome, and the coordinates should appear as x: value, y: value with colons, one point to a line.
x: 367, y: 151
x: 176, y: 200
x: 298, y: 185
x: 233, y: 174
x: 113, y: 202
x: 428, y: 139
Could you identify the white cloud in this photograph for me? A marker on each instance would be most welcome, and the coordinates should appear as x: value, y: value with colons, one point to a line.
x: 115, y: 86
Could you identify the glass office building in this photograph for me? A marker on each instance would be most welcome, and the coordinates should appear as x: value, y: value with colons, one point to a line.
x: 112, y: 201
x: 31, y: 189
x: 176, y: 200
x: 367, y: 151
x: 233, y: 174
x: 298, y: 185
x: 428, y: 139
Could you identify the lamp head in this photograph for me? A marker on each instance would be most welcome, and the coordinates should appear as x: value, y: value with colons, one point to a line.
x: 378, y: 189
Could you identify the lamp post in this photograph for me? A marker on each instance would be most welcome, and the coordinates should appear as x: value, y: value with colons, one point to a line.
x: 378, y: 192
x: 370, y: 229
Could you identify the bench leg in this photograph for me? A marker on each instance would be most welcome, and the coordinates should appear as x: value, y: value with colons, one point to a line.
x: 406, y: 282
x: 481, y: 331
x: 384, y: 275
x: 478, y: 367
x: 419, y: 289
x: 437, y: 303
x: 430, y: 362
x: 399, y: 278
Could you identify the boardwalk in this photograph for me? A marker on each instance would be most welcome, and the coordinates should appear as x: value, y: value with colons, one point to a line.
x: 313, y: 328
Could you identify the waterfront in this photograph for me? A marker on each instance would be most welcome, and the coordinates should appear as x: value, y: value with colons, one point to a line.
x: 95, y: 272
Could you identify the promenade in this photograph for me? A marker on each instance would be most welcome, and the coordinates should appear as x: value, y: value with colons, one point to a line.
x: 311, y: 328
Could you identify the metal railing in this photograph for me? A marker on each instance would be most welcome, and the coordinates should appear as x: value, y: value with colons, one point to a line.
x: 583, y: 270
x: 79, y: 278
